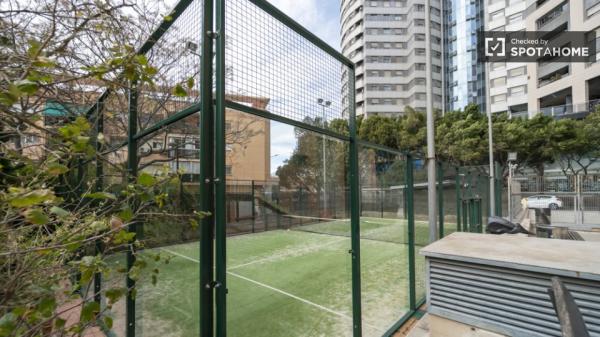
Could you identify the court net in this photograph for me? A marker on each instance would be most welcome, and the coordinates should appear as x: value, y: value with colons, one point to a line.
x: 377, y: 229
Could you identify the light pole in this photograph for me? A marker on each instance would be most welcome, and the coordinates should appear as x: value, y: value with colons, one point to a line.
x: 490, y: 144
x: 324, y: 104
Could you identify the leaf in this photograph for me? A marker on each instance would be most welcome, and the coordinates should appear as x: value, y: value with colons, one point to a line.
x: 56, y: 169
x: 108, y: 321
x: 27, y: 86
x: 115, y: 294
x: 100, y: 195
x: 89, y: 311
x: 47, y: 306
x: 179, y: 91
x: 7, y: 324
x: 190, y: 82
x: 32, y: 198
x: 146, y: 179
x: 59, y: 323
x: 126, y: 214
x: 59, y: 211
x: 36, y: 216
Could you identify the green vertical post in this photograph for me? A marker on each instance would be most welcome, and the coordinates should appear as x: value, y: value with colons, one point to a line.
x: 98, y: 187
x: 132, y: 170
x: 252, y: 205
x: 498, y: 189
x: 412, y: 285
x: 354, y: 210
x: 458, y: 188
x: 220, y: 235
x: 206, y: 174
x: 440, y: 195
x: 381, y: 203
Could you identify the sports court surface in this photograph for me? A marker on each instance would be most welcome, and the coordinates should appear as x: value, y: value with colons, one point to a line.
x: 290, y: 282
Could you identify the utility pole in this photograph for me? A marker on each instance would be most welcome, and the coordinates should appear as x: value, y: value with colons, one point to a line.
x: 431, y: 166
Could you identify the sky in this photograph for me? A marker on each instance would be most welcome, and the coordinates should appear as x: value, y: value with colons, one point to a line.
x: 321, y: 17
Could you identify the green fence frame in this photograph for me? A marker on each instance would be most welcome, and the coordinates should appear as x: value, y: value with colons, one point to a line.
x: 211, y: 108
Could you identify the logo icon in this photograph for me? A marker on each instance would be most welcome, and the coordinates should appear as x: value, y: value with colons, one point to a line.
x: 495, y: 46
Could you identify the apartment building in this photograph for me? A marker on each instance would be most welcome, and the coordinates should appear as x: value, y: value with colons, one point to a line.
x: 248, y: 138
x: 559, y: 89
x: 507, y: 91
x: 464, y: 73
x: 386, y: 40
x: 564, y: 89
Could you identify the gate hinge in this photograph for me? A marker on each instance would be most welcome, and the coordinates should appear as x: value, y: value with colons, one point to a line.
x: 212, y: 34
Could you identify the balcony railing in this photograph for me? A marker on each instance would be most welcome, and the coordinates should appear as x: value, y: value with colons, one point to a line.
x: 566, y: 109
x: 555, y: 13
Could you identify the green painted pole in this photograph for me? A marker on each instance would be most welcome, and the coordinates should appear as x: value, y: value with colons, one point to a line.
x: 458, y: 188
x: 132, y: 170
x: 220, y: 235
x: 498, y: 189
x: 412, y: 296
x: 354, y: 211
x: 206, y: 174
x: 440, y: 195
x: 253, y: 205
x: 99, y: 183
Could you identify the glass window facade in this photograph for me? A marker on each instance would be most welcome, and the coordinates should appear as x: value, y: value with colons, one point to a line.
x: 464, y: 75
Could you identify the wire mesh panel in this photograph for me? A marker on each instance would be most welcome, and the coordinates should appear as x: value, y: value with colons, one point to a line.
x: 266, y: 59
x: 292, y: 276
x: 167, y: 302
x: 449, y: 198
x: 421, y: 208
x: 175, y: 55
x: 384, y: 240
x: 288, y: 267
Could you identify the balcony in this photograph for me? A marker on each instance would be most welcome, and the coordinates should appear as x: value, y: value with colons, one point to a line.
x: 548, y: 68
x: 592, y: 7
x: 554, y: 19
x: 571, y: 110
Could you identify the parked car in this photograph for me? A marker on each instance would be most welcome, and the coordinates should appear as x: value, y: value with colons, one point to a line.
x: 544, y: 201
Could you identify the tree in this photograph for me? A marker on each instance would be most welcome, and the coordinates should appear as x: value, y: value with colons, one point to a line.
x: 54, y: 208
x: 536, y: 148
x: 412, y: 136
x: 380, y: 130
x: 461, y: 136
x: 579, y: 147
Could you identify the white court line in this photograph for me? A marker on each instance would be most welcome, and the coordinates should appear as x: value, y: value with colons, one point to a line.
x: 270, y: 258
x: 331, y: 311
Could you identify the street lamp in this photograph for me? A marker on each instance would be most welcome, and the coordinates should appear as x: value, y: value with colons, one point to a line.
x: 324, y: 104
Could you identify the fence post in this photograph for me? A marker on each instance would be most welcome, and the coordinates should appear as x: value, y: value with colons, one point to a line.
x: 498, y: 189
x: 411, y: 233
x: 99, y: 183
x: 440, y: 196
x: 219, y: 125
x: 458, y: 189
x: 132, y: 170
x: 354, y: 212
x: 252, y: 205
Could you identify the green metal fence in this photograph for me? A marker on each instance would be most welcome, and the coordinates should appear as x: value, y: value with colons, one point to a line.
x: 328, y: 242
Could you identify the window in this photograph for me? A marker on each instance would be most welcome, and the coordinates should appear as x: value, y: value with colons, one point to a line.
x: 515, y: 18
x: 497, y: 15
x: 497, y: 65
x: 498, y: 82
x: 420, y: 8
x: 156, y: 145
x: 499, y: 98
x: 228, y: 170
x: 517, y: 71
x: 30, y: 139
x: 518, y: 91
